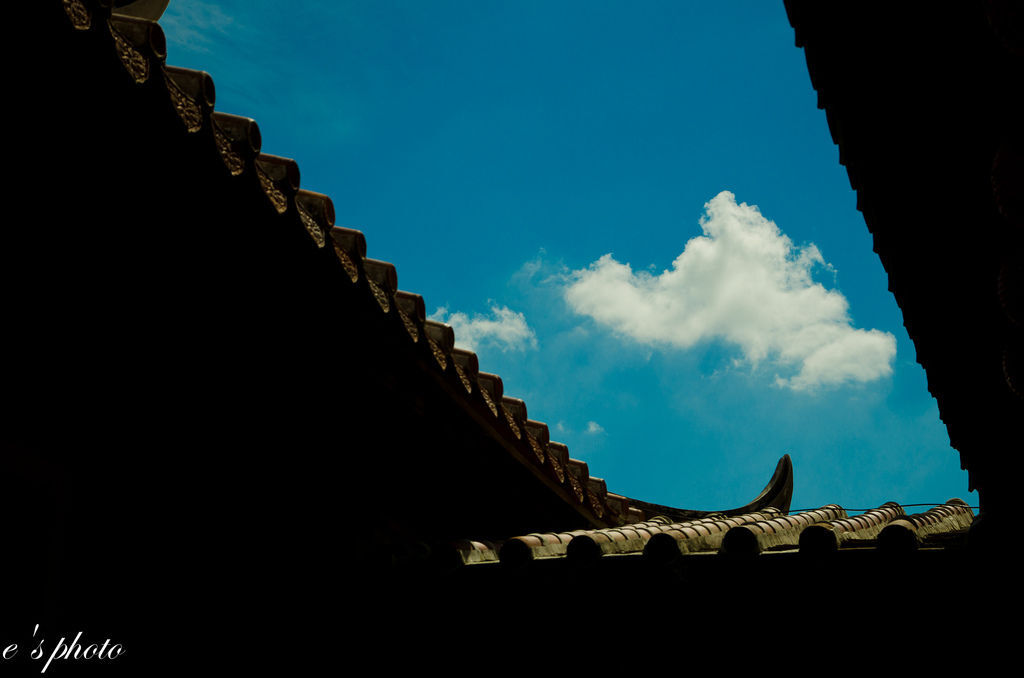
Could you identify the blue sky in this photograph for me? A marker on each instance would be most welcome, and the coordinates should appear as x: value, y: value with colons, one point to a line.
x: 633, y: 212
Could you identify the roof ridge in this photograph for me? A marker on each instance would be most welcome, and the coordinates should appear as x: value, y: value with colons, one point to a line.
x: 141, y: 44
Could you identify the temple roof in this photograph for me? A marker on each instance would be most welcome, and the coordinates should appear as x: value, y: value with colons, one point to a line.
x: 261, y: 188
x: 385, y: 336
x: 222, y: 372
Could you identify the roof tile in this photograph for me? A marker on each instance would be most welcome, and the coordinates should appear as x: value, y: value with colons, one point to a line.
x: 383, y: 281
x: 193, y: 95
x: 279, y: 178
x: 350, y: 249
x: 78, y: 14
x: 908, y: 532
x: 491, y: 389
x: 827, y: 536
x: 238, y: 140
x: 779, y: 532
x: 138, y: 42
x: 317, y: 213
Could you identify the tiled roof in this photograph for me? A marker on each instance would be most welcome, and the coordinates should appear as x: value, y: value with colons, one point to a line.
x: 661, y: 540
x: 428, y: 346
x: 140, y: 48
x: 217, y: 405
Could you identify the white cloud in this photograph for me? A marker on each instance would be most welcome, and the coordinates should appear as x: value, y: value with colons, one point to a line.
x: 743, y: 282
x: 196, y: 24
x: 503, y: 328
x: 594, y: 428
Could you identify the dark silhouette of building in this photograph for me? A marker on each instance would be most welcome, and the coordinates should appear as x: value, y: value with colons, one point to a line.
x: 222, y: 422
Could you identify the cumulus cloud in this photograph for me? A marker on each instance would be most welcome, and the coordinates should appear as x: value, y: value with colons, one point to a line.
x: 594, y: 428
x: 503, y: 328
x: 743, y: 282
